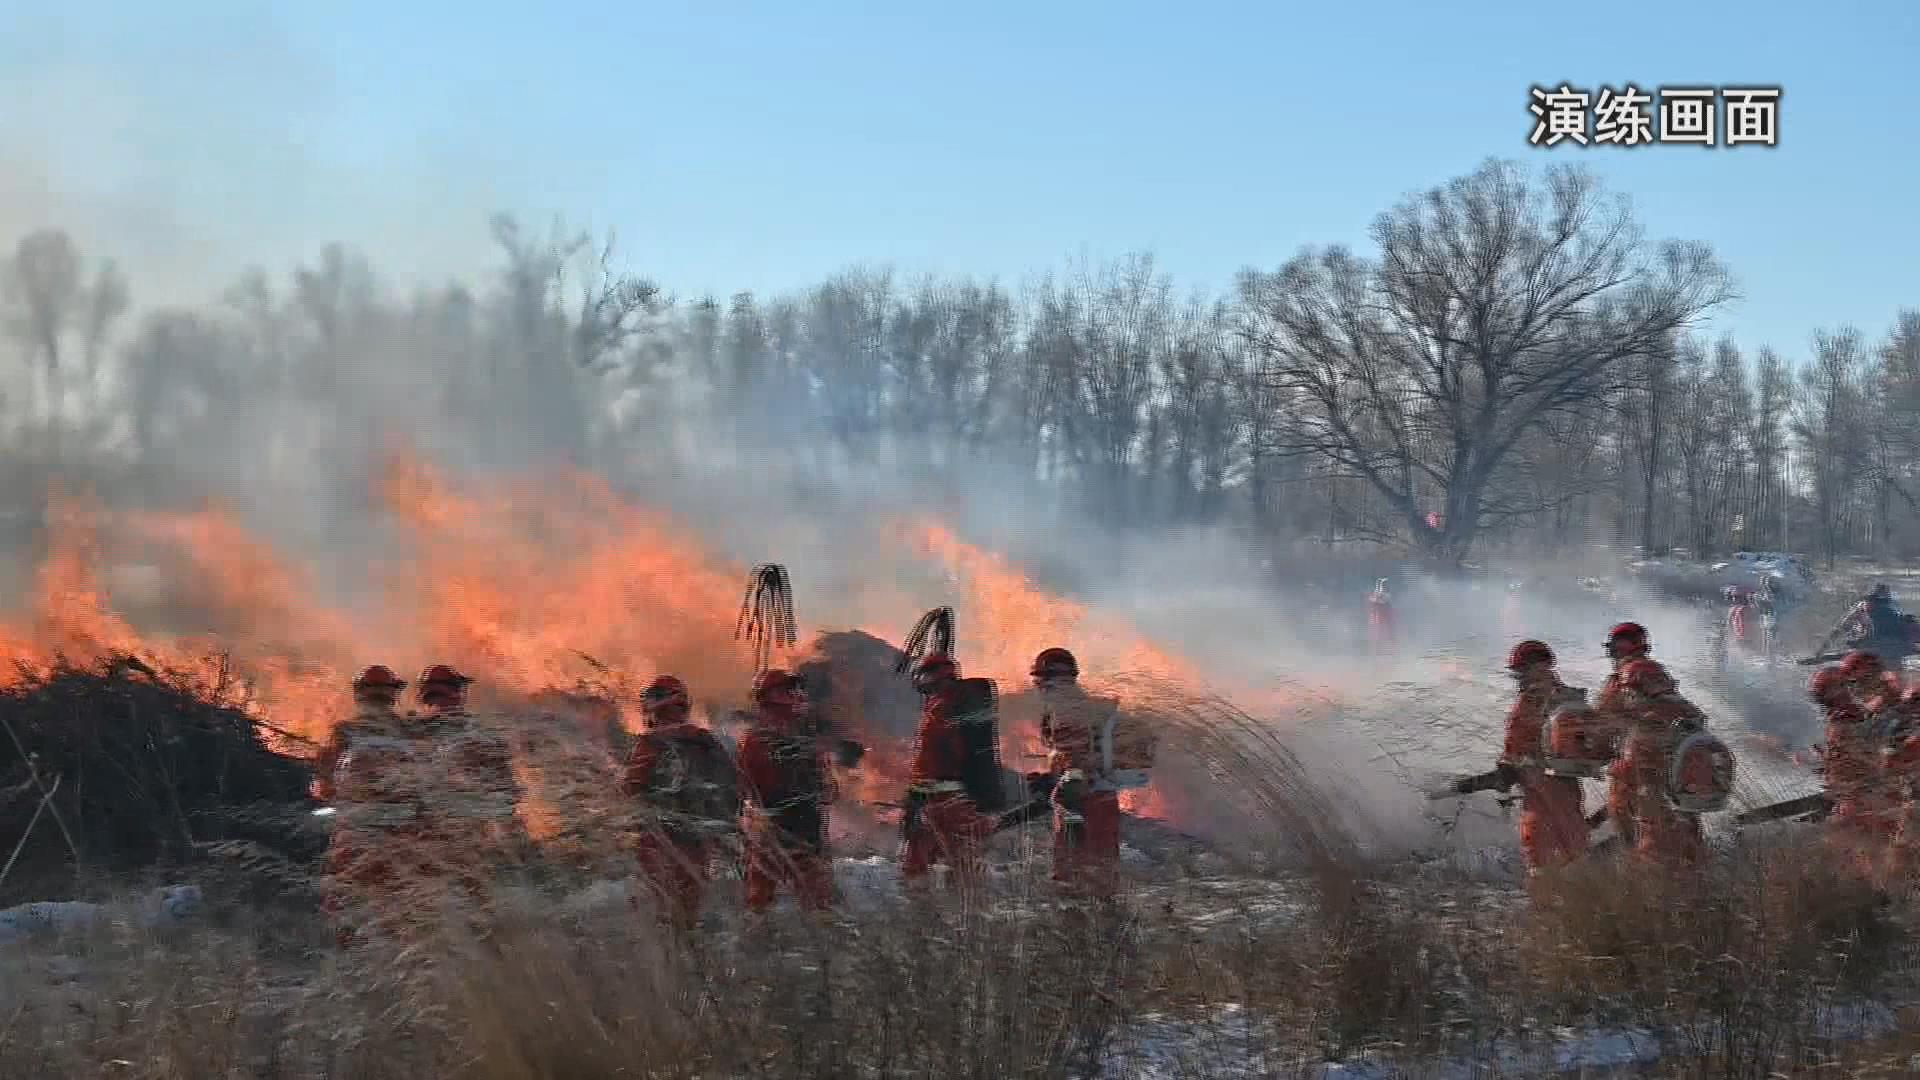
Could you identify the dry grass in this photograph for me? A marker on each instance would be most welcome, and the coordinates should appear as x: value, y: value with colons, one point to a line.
x: 1755, y: 982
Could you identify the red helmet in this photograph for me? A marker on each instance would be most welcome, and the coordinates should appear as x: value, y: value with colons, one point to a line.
x: 442, y: 675
x: 665, y: 692
x: 934, y: 669
x: 777, y: 688
x: 379, y: 676
x: 1861, y: 664
x: 1528, y: 653
x: 1648, y: 679
x: 1055, y: 663
x: 1628, y: 639
x: 1829, y: 685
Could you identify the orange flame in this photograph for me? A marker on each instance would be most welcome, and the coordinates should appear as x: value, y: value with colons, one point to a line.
x: 1016, y: 619
x: 522, y: 581
x: 515, y: 581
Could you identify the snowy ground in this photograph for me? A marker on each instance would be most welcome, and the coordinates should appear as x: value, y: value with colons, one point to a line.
x: 1233, y: 1043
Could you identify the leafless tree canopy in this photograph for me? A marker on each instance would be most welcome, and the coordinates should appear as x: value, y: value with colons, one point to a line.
x: 1512, y: 365
x: 1495, y: 307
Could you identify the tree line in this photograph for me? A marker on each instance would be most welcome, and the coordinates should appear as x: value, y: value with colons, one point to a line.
x: 1513, y: 368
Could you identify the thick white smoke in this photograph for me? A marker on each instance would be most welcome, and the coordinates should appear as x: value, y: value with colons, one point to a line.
x: 281, y: 398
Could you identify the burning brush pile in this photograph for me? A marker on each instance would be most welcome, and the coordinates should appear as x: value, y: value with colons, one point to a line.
x: 120, y: 765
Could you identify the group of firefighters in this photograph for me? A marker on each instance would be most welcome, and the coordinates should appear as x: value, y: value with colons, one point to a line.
x: 1870, y: 762
x: 1638, y: 735
x: 414, y: 791
x: 1663, y: 769
x: 419, y: 794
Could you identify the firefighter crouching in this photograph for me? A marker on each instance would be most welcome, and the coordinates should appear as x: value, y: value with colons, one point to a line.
x: 690, y: 788
x: 1096, y: 753
x: 944, y: 822
x: 787, y: 788
x: 1553, y: 827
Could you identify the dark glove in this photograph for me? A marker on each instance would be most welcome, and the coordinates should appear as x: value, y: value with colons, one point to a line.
x: 1040, y: 785
x: 847, y: 753
x: 910, y: 816
x: 1070, y: 793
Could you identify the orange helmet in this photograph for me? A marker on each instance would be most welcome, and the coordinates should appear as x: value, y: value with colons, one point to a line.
x: 1628, y: 639
x: 778, y: 688
x: 663, y: 693
x: 1648, y: 678
x: 934, y: 669
x: 378, y: 677
x: 1528, y: 653
x: 1861, y: 664
x: 1055, y: 663
x: 442, y: 675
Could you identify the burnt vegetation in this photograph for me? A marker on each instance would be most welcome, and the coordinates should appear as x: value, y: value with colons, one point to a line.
x: 117, y: 765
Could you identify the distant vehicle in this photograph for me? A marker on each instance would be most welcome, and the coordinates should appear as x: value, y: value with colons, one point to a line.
x: 1790, y: 573
x: 1785, y: 576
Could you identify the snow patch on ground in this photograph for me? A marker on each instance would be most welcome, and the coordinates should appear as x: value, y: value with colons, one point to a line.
x: 867, y: 884
x: 164, y: 907
x: 1230, y: 1042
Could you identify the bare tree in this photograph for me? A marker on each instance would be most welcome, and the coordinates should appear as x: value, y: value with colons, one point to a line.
x: 45, y: 298
x: 1896, y: 424
x: 844, y: 351
x: 1767, y: 436
x: 1652, y: 389
x: 1711, y: 399
x: 1829, y: 424
x: 614, y: 311
x: 702, y: 345
x: 1126, y: 320
x: 1495, y: 304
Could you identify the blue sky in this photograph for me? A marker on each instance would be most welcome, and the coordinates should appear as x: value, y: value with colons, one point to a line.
x: 742, y: 145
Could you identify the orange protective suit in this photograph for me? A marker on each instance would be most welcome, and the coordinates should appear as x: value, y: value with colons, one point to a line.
x: 1553, y: 827
x: 385, y: 856
x: 788, y: 789
x: 675, y: 856
x: 1086, y: 818
x: 1655, y: 719
x: 1865, y: 818
x: 1901, y: 765
x: 947, y: 826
